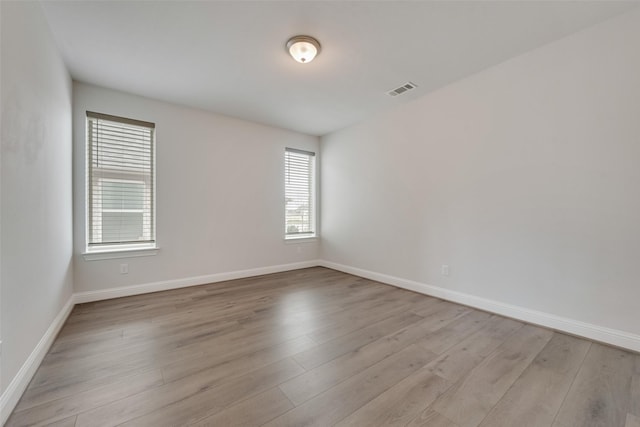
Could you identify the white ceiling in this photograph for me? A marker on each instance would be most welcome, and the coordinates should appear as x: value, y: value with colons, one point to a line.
x: 229, y: 56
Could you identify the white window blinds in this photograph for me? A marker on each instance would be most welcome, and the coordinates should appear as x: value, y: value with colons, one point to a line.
x: 299, y: 193
x: 120, y: 181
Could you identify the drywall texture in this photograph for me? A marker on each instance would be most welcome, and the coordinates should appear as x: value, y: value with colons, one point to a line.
x: 524, y: 179
x: 36, y: 191
x: 220, y: 193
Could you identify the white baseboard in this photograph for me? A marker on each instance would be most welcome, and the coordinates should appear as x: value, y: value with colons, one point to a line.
x: 614, y: 337
x: 89, y: 296
x: 18, y: 385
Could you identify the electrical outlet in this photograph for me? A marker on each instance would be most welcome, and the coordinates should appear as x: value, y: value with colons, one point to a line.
x: 444, y: 270
x: 124, y: 268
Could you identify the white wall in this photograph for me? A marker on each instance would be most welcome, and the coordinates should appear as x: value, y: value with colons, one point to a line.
x: 36, y: 191
x: 220, y: 193
x: 524, y: 179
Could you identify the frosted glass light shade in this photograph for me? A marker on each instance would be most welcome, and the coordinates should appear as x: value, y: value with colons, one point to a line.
x: 303, y: 48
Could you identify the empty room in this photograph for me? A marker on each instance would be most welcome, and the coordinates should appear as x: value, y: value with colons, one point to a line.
x: 320, y: 213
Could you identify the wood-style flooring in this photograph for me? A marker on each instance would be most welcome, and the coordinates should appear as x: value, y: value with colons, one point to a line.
x: 317, y: 347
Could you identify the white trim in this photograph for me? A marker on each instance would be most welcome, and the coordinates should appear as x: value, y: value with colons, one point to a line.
x: 296, y: 240
x: 614, y: 337
x: 18, y: 385
x: 120, y: 253
x: 124, y: 291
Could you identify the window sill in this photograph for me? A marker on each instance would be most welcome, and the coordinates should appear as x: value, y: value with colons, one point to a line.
x: 300, y: 239
x: 119, y: 253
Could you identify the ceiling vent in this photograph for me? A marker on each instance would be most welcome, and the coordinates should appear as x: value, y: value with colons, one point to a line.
x: 402, y: 89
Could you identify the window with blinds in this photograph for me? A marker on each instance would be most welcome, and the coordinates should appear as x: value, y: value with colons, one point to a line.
x: 120, y: 182
x: 299, y: 189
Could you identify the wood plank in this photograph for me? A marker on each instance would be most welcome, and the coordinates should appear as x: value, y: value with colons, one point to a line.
x: 441, y: 313
x: 315, y: 304
x: 254, y: 411
x: 67, y: 387
x: 337, y: 403
x: 535, y: 397
x: 401, y: 403
x: 188, y: 399
x: 67, y: 422
x: 131, y: 350
x: 336, y: 347
x: 635, y: 389
x: 305, y: 307
x: 632, y: 421
x: 469, y: 400
x: 431, y: 418
x: 322, y: 378
x: 458, y: 360
x: 435, y: 307
x: 211, y: 401
x: 448, y: 336
x: 105, y: 367
x: 91, y: 337
x: 73, y: 405
x: 236, y: 362
x: 357, y: 320
x: 600, y: 394
x: 332, y: 325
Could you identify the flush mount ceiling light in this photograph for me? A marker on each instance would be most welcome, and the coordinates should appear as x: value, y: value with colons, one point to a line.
x: 303, y: 48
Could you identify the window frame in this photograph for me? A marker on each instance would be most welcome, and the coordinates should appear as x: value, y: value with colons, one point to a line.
x: 313, y: 208
x: 132, y: 248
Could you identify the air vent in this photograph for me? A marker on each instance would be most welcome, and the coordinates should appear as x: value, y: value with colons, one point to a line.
x: 402, y: 89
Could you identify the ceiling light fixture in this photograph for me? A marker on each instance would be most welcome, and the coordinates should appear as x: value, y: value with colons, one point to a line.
x: 303, y: 48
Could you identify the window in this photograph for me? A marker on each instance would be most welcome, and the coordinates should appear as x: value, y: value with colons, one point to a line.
x: 120, y: 183
x: 299, y: 190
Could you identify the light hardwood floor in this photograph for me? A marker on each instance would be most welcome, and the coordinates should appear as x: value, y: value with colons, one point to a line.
x: 319, y: 347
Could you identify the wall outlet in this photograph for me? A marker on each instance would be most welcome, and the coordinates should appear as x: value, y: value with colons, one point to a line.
x: 124, y: 268
x: 444, y: 270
